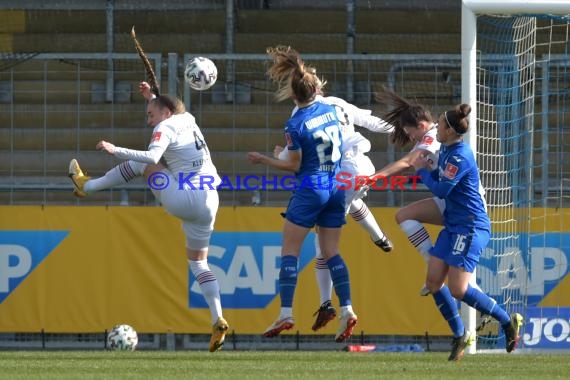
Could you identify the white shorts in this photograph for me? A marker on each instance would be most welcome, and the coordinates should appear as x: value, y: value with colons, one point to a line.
x: 440, y: 203
x: 355, y: 164
x: 196, y: 208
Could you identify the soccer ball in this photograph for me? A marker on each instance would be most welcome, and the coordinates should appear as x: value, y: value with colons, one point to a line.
x: 200, y: 73
x: 122, y: 338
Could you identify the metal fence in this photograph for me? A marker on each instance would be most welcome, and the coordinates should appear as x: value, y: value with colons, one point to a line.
x: 57, y: 106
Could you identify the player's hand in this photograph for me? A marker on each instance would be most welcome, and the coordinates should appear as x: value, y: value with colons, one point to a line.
x: 361, y: 192
x: 255, y: 157
x: 278, y: 149
x: 368, y: 181
x: 144, y: 89
x: 420, y: 162
x: 105, y: 146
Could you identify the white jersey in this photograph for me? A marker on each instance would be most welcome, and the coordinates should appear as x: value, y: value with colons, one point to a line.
x: 349, y: 115
x: 180, y: 142
x: 429, y: 143
x: 354, y: 161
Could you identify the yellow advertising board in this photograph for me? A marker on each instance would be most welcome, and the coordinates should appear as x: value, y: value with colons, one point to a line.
x: 84, y: 269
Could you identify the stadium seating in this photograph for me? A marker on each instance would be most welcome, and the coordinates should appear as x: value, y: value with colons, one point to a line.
x: 60, y: 115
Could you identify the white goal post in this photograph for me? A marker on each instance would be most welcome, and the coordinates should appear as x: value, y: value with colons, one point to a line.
x: 471, y: 86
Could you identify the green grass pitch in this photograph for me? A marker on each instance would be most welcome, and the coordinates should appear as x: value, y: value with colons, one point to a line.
x: 306, y: 365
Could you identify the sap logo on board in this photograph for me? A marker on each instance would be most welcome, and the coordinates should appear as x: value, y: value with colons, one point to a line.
x: 21, y: 252
x: 547, y: 327
x: 246, y: 265
x: 506, y: 270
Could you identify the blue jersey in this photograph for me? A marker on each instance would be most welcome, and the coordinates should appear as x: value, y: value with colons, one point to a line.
x: 457, y: 182
x: 317, y: 200
x: 315, y: 130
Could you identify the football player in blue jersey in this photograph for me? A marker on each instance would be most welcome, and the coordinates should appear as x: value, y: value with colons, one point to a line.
x: 354, y: 164
x: 314, y: 142
x: 466, y: 232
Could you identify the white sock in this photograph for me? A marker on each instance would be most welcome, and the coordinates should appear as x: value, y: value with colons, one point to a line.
x: 286, y: 312
x: 344, y: 309
x: 324, y: 280
x: 360, y: 212
x: 418, y: 236
x: 120, y: 174
x: 208, y: 285
x: 323, y: 274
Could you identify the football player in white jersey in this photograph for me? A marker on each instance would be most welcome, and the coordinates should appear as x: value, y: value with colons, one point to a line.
x: 413, y: 123
x: 354, y: 163
x: 177, y: 140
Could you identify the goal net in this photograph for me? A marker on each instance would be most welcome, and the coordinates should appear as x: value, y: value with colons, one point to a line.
x: 517, y: 74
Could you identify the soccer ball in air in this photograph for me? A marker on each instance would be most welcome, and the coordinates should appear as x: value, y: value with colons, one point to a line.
x: 200, y: 73
x: 122, y: 338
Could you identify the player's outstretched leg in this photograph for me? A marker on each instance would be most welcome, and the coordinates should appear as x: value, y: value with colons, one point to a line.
x: 384, y: 244
x: 361, y: 214
x: 118, y: 175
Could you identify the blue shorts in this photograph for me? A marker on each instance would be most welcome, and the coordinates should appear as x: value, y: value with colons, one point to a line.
x: 322, y: 207
x: 461, y: 249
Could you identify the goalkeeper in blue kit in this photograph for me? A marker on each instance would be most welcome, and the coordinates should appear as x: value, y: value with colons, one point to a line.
x: 466, y: 233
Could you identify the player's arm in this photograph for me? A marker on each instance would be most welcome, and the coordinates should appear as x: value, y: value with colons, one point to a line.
x: 159, y: 143
x: 279, y: 152
x: 401, y: 165
x: 291, y: 162
x: 441, y: 185
x: 145, y: 91
x: 364, y: 118
x: 288, y: 158
x: 440, y: 189
x: 150, y: 156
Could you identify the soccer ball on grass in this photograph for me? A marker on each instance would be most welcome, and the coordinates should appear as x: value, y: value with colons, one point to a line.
x: 122, y: 338
x: 200, y: 73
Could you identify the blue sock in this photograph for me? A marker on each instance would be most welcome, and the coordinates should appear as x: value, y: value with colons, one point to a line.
x: 287, y: 280
x: 485, y: 304
x: 447, y: 306
x: 341, y: 282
